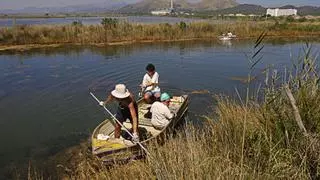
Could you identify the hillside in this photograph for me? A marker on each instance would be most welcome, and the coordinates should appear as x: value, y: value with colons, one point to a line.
x: 309, y: 10
x: 146, y: 6
x: 88, y: 8
x: 215, y: 4
x: 149, y: 5
x: 243, y: 9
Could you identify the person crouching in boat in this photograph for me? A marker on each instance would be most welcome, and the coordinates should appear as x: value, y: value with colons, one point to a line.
x: 161, y: 114
x: 149, y: 86
x: 127, y: 109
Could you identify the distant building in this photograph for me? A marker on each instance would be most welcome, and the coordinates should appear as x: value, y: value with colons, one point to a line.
x: 164, y: 12
x: 240, y: 15
x: 281, y: 12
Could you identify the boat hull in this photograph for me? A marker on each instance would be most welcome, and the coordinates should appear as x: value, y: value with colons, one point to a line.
x: 121, y: 150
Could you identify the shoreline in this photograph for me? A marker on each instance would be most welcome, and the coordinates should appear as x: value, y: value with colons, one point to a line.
x: 27, y: 47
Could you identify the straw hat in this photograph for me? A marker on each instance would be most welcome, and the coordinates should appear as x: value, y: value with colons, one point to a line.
x: 120, y: 91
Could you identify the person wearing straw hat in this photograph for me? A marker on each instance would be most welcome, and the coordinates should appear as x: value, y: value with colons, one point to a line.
x: 161, y: 114
x: 149, y: 86
x: 127, y: 109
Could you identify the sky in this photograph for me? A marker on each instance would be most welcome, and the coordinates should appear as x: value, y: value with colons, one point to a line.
x: 20, y: 4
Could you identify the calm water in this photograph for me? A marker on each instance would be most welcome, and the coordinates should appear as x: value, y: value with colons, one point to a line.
x: 94, y: 20
x: 44, y: 94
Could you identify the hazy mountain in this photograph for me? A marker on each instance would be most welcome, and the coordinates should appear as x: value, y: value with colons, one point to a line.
x: 243, y: 9
x: 149, y: 5
x: 145, y: 6
x: 99, y: 7
x: 215, y: 4
x: 305, y: 10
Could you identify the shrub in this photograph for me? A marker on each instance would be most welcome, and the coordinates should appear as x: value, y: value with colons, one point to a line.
x: 77, y: 23
x: 182, y: 25
x: 109, y: 22
x: 290, y: 19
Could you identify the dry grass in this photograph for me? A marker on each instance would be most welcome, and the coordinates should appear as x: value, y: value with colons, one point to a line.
x: 125, y: 32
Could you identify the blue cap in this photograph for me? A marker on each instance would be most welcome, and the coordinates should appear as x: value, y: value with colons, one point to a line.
x: 164, y: 97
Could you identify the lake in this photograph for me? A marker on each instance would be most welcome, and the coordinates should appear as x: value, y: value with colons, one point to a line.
x: 45, y: 104
x: 94, y: 20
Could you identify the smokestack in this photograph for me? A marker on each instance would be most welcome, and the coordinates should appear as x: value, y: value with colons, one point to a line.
x: 171, y: 4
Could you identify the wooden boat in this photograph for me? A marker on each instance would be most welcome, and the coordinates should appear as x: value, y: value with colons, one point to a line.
x: 110, y: 149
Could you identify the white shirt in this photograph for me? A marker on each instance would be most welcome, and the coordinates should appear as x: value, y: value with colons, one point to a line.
x: 160, y: 114
x: 147, y: 80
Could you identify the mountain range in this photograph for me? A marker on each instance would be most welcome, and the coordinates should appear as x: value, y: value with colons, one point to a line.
x: 145, y: 6
x: 148, y: 5
x: 96, y: 7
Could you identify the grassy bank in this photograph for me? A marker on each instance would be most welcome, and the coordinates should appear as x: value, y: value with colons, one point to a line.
x: 276, y: 136
x: 114, y: 32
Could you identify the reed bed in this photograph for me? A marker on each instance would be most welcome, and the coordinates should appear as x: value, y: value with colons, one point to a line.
x: 128, y: 32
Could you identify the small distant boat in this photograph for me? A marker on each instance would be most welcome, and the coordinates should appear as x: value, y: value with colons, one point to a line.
x: 227, y: 37
x: 111, y: 150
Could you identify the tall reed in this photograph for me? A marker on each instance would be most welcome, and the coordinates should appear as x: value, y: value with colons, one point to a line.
x: 130, y: 32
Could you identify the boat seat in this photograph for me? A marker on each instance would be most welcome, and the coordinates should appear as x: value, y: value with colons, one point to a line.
x: 145, y: 122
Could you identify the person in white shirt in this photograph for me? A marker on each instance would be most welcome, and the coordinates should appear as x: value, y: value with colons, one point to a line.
x: 149, y: 85
x: 161, y: 114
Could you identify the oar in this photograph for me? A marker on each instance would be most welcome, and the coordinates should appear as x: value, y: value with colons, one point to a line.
x: 142, y: 147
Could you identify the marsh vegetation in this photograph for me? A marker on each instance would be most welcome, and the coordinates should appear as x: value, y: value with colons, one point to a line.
x: 112, y: 31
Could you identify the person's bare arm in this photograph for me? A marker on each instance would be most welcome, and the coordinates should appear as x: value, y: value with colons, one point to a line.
x: 108, y: 99
x: 134, y: 117
x: 149, y: 84
x: 152, y: 84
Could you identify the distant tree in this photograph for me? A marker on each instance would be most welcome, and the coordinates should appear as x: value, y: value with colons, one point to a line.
x: 109, y: 22
x: 303, y: 19
x: 290, y: 19
x: 182, y: 25
x: 77, y: 23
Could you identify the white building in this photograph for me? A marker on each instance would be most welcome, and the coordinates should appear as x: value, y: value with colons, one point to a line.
x: 164, y: 11
x: 281, y: 12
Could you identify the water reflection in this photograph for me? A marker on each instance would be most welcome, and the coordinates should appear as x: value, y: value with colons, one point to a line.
x: 226, y: 43
x: 125, y: 50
